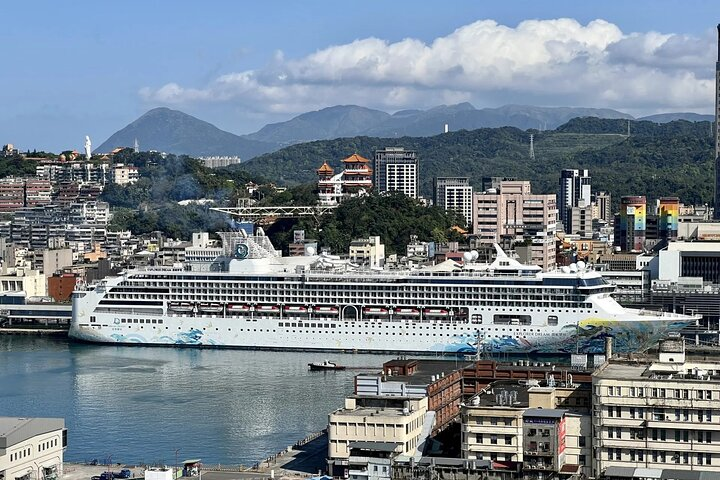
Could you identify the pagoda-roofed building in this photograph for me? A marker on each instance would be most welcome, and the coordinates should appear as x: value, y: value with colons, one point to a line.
x: 357, y: 172
x: 355, y: 179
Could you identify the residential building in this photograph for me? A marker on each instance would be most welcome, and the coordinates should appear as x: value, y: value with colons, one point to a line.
x: 32, y: 448
x: 396, y: 169
x: 602, y: 207
x: 61, y: 286
x: 220, y: 161
x: 368, y: 251
x: 12, y: 194
x: 657, y: 412
x: 23, y: 279
x: 517, y: 424
x: 580, y: 221
x: 455, y: 194
x: 125, y: 174
x: 514, y: 213
x: 575, y: 187
x: 37, y: 192
x: 439, y: 380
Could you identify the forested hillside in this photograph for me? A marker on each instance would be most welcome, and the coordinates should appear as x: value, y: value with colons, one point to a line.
x: 674, y: 158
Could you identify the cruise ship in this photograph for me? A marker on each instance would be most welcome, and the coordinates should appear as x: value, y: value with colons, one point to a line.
x: 249, y: 296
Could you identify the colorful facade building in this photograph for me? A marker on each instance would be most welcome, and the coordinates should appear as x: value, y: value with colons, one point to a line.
x: 668, y: 213
x: 630, y: 230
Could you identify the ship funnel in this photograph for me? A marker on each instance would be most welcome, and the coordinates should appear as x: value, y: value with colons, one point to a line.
x: 499, y: 251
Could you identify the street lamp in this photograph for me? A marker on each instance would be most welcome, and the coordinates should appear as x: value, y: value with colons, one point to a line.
x: 176, y: 462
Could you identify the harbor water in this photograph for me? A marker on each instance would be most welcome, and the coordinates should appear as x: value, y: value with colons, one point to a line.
x: 142, y: 404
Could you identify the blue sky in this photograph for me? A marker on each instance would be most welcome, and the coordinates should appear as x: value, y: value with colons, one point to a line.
x: 88, y: 68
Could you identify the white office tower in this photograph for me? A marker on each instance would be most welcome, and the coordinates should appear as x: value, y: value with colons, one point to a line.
x: 396, y: 169
x: 574, y: 192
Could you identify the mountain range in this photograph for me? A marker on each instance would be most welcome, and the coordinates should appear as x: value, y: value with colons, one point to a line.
x: 173, y: 131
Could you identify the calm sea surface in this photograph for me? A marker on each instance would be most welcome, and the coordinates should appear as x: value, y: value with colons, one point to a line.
x: 140, y: 404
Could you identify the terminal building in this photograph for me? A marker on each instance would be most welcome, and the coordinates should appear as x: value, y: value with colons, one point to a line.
x: 657, y: 414
x: 32, y: 448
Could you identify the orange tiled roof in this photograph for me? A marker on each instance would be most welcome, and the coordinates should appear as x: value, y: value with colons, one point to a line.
x: 355, y: 158
x: 325, y: 168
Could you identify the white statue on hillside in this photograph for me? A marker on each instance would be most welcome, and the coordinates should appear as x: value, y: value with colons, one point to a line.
x: 88, y: 147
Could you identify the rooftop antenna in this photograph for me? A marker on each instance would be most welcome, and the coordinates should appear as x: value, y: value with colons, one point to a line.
x: 532, y: 147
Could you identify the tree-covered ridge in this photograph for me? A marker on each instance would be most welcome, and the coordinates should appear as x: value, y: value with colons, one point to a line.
x: 656, y: 160
x: 165, y: 178
x: 151, y: 203
x: 394, y: 217
x: 16, y: 165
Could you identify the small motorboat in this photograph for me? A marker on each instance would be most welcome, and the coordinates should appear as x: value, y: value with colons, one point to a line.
x: 325, y: 365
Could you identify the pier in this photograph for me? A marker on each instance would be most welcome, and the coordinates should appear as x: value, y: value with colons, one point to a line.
x: 304, y: 459
x: 49, y: 332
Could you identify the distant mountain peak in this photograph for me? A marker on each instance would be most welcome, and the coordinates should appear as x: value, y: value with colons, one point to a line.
x: 173, y: 131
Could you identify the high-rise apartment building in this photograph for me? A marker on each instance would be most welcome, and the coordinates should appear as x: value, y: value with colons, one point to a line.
x: 574, y: 192
x: 396, y: 169
x: 513, y: 212
x: 455, y: 194
x: 602, y: 207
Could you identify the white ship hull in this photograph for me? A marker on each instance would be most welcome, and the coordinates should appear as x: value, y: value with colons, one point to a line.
x: 307, y: 303
x: 572, y: 333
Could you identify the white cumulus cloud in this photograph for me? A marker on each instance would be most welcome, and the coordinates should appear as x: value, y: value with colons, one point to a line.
x: 550, y: 62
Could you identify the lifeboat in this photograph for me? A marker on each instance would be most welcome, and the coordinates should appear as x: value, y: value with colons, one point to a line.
x: 295, y: 309
x: 180, y: 307
x: 325, y: 309
x: 238, y: 308
x: 210, y: 308
x: 407, y: 311
x: 436, y: 312
x: 375, y: 310
x: 267, y: 309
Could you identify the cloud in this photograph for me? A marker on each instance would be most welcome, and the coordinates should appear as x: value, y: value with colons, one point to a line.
x: 559, y: 62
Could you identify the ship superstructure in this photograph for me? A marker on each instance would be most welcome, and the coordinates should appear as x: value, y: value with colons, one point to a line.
x: 252, y: 297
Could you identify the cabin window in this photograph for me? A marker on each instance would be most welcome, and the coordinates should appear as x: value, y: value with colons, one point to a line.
x: 512, y: 319
x: 477, y: 318
x: 552, y: 320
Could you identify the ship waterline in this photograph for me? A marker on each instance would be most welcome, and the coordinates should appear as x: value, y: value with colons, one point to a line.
x: 320, y: 303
